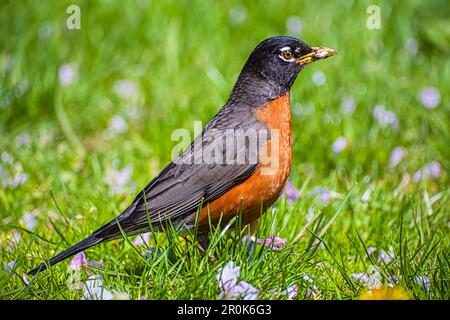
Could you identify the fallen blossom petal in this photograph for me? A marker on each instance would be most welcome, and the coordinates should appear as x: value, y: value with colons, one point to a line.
x: 385, y: 117
x: 25, y: 279
x: 78, y: 262
x: 339, y: 145
x: 307, y: 278
x: 430, y: 97
x: 94, y: 290
x: 294, y: 25
x: 393, y: 280
x: 325, y: 195
x: 423, y: 281
x: 291, y: 292
x: 153, y: 253
x: 22, y: 139
x: 143, y: 239
x: 119, y: 179
x: 125, y: 89
x: 412, y: 46
x: 7, y: 158
x: 291, y: 192
x: 229, y: 286
x: 312, y: 291
x: 397, y: 155
x: 95, y: 264
x: 18, y: 180
x: 243, y: 291
x: 117, y: 125
x: 371, y: 279
x: 431, y: 170
x: 9, y: 266
x: 29, y: 219
x: 348, y: 105
x: 386, y: 257
x: 228, y: 276
x: 366, y: 195
x: 319, y: 78
x: 275, y: 242
x: 67, y: 75
x: 237, y: 14
x: 15, y: 240
x: 361, y: 277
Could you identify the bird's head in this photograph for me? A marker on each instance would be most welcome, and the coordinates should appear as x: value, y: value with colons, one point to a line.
x: 280, y: 59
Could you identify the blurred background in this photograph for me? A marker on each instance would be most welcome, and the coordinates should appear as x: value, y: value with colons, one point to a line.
x: 116, y: 88
x: 86, y: 115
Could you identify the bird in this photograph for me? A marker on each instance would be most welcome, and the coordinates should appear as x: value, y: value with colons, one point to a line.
x: 239, y: 164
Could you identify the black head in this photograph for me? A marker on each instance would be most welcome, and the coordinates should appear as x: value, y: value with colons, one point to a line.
x: 278, y: 60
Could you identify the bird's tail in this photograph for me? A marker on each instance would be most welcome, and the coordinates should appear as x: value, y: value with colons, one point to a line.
x: 108, y: 232
x: 80, y: 246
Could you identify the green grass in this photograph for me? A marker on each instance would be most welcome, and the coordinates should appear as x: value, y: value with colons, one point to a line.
x: 183, y: 58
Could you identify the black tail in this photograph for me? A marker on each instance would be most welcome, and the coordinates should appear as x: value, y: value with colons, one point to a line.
x: 80, y: 246
x: 108, y: 232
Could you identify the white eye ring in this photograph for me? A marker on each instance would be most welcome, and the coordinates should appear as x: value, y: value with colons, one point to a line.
x: 284, y: 51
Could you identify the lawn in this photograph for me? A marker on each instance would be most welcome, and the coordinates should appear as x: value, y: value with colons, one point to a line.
x: 87, y: 116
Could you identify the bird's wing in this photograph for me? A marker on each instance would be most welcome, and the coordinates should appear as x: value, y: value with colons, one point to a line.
x: 192, y: 179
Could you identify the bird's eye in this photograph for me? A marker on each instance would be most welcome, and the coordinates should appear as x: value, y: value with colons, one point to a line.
x: 287, y: 55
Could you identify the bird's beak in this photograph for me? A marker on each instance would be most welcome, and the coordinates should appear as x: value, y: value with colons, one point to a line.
x: 317, y: 53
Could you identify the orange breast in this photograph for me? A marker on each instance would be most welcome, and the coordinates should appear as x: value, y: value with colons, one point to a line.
x: 263, y: 188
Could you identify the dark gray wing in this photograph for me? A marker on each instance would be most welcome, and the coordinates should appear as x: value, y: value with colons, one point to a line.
x: 197, y: 176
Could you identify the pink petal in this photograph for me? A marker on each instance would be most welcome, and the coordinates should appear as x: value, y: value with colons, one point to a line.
x: 78, y: 262
x: 275, y: 242
x: 96, y: 264
x: 142, y: 239
x: 291, y: 192
x: 291, y: 292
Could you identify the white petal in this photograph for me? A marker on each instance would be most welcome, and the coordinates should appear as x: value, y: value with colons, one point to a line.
x: 228, y: 277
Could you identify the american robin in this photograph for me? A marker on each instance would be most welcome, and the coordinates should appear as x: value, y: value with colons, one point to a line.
x: 239, y: 163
